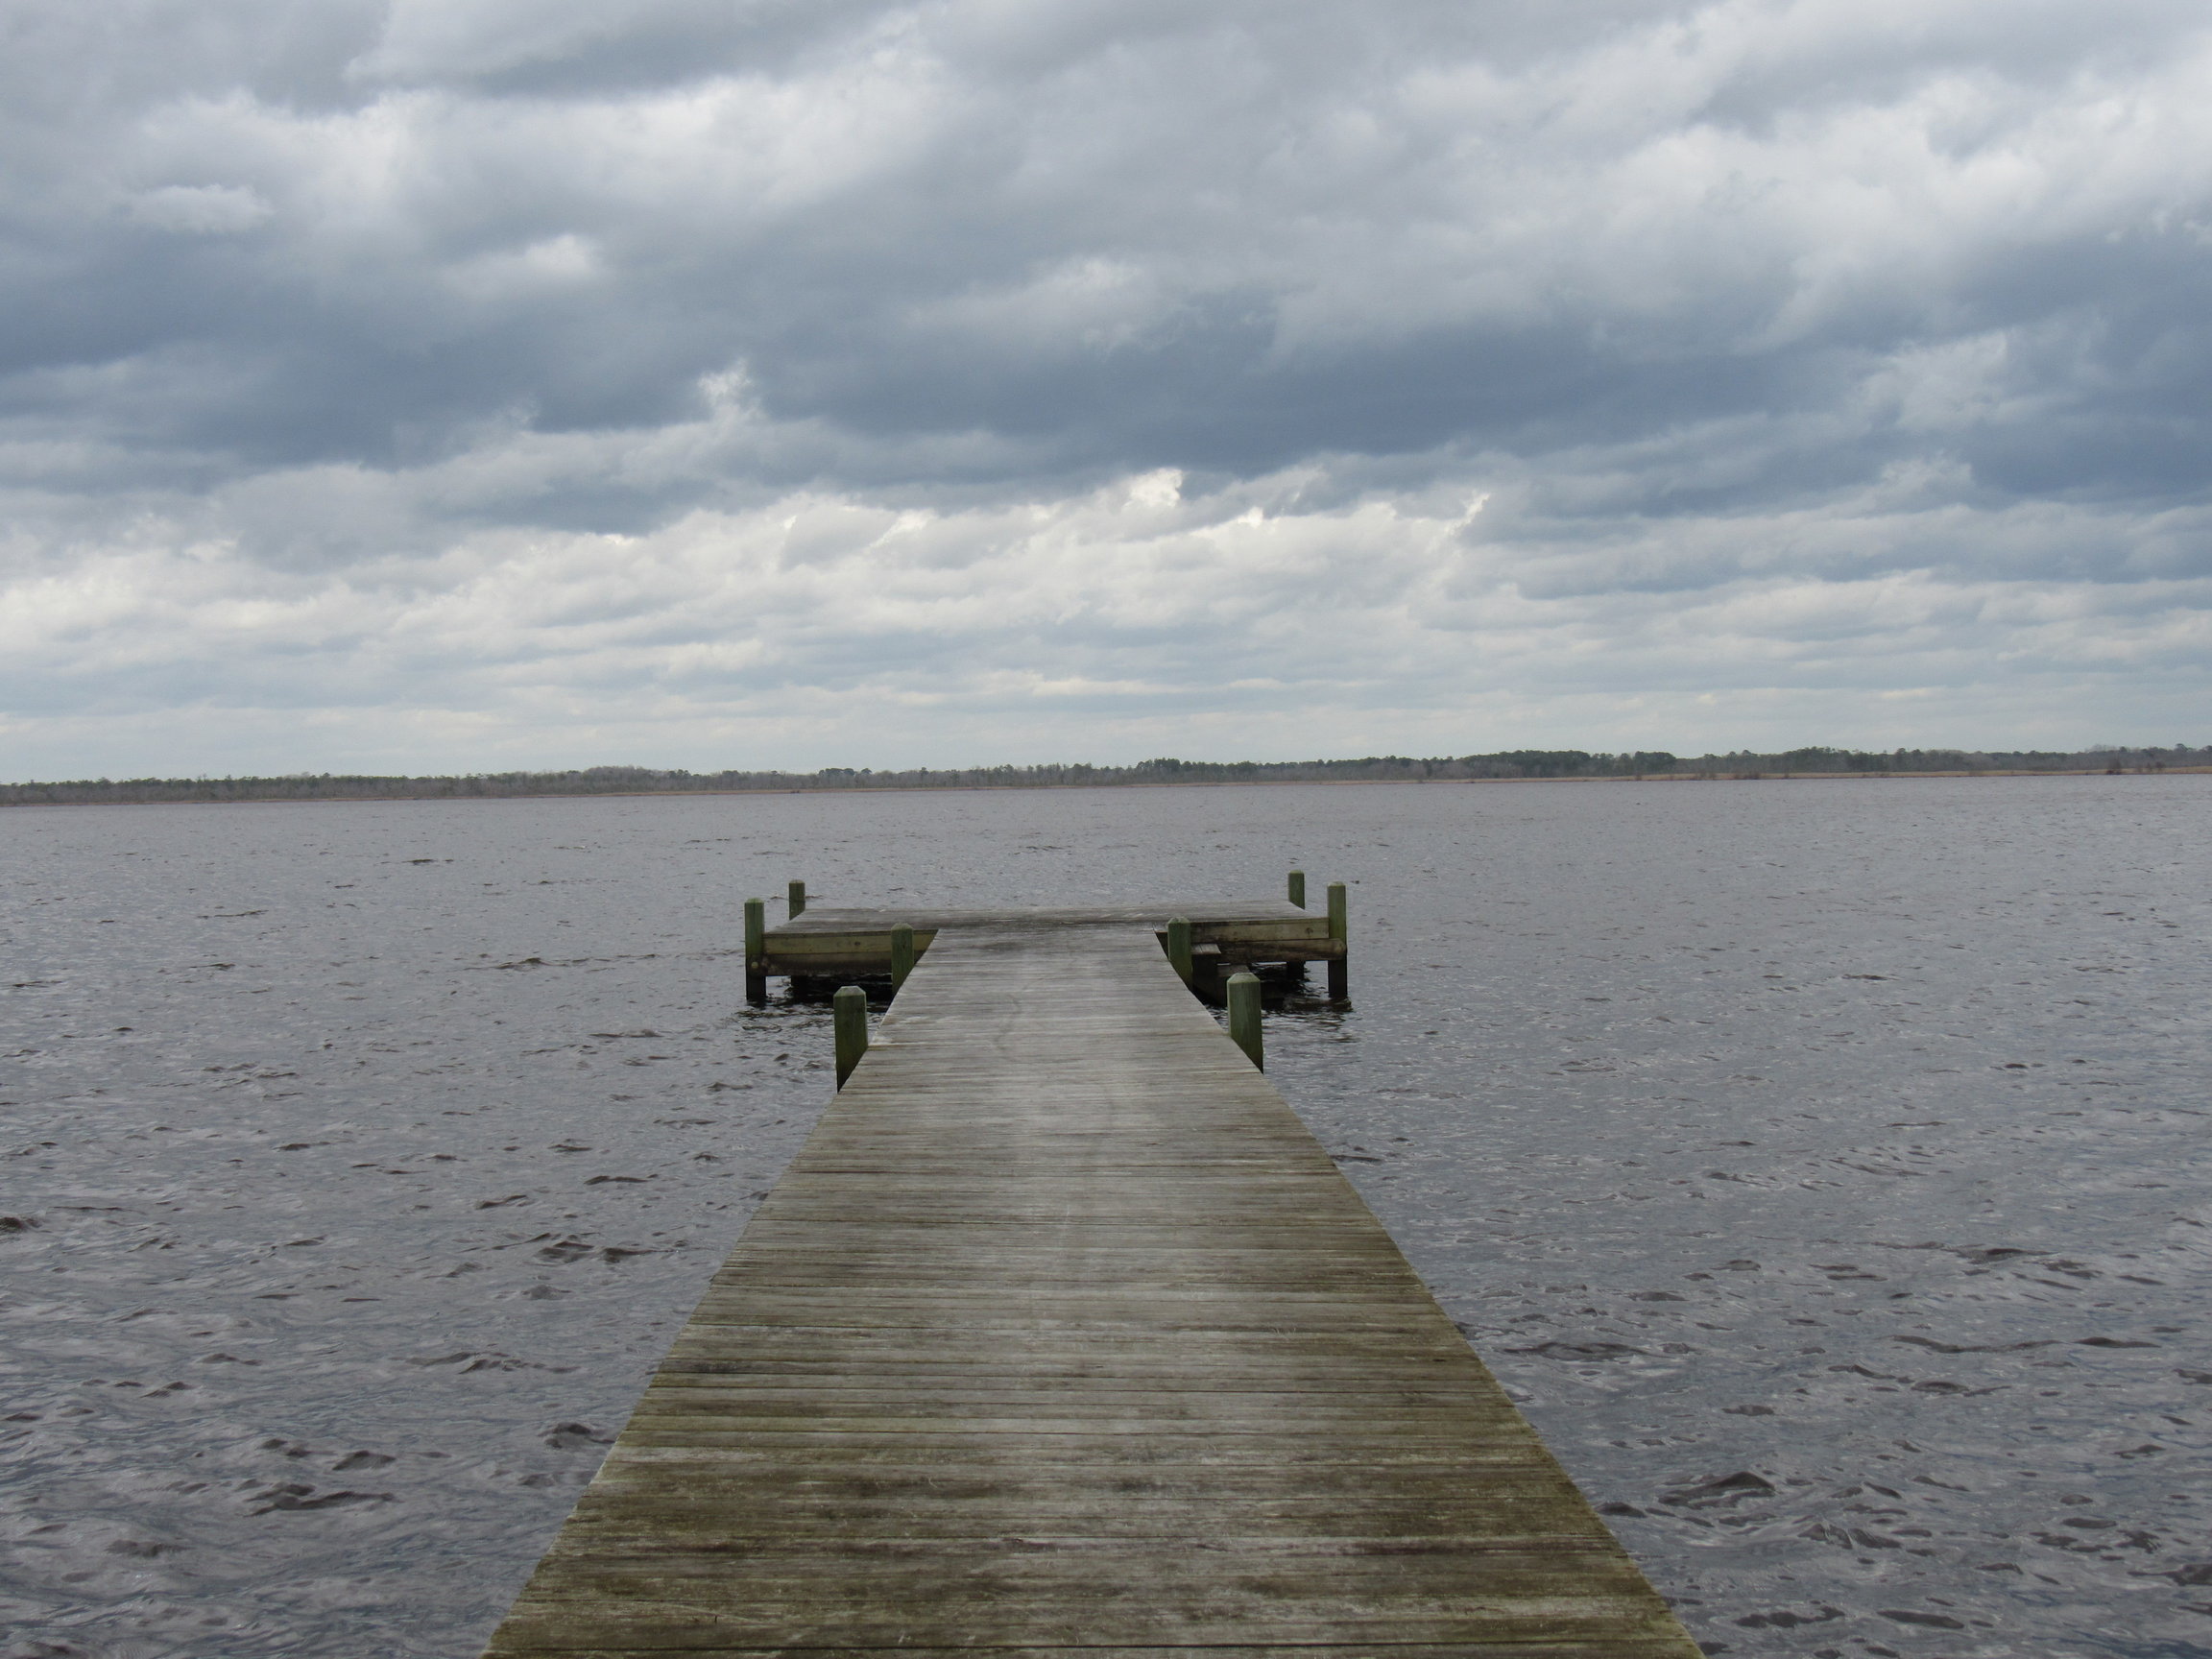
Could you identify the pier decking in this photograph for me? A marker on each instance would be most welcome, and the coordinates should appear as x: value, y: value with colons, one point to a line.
x: 1063, y: 1333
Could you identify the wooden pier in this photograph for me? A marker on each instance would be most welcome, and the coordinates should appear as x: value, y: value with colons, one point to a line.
x: 1063, y: 1333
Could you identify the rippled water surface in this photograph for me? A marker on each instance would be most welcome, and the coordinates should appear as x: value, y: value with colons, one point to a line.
x: 1820, y: 1163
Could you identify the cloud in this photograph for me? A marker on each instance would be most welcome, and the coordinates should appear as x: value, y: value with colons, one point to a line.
x: 202, y: 209
x: 468, y: 356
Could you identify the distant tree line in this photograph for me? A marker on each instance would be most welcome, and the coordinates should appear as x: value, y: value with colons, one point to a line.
x: 1811, y: 761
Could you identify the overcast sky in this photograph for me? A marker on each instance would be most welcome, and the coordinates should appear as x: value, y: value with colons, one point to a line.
x: 424, y: 385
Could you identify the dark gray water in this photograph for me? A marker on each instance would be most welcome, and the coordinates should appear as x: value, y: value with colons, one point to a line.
x: 1820, y: 1164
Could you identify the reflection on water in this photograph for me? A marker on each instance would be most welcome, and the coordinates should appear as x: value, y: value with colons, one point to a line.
x: 1819, y: 1162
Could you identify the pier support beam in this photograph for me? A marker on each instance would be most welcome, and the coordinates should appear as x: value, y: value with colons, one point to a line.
x: 901, y: 954
x: 795, y: 897
x: 849, y: 1015
x: 1245, y: 1017
x: 755, y: 951
x: 1298, y: 888
x: 1340, y: 968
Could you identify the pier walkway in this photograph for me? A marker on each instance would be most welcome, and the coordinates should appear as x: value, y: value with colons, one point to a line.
x: 1063, y: 1333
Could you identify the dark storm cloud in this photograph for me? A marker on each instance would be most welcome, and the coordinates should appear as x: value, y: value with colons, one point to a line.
x: 1775, y: 323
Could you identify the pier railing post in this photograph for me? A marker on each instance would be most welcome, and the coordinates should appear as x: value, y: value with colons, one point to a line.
x: 795, y: 896
x: 1179, y: 955
x: 1245, y: 1017
x: 755, y: 951
x: 1339, y: 933
x: 1298, y: 888
x: 849, y: 1015
x: 901, y: 954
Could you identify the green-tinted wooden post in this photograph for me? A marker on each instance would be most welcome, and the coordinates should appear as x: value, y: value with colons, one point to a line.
x: 901, y: 954
x: 755, y: 951
x: 1298, y: 888
x: 1245, y: 1017
x: 849, y: 1015
x: 1179, y: 947
x: 796, y: 895
x: 1339, y: 969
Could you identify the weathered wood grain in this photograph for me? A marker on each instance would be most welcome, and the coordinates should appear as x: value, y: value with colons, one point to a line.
x: 1063, y: 1333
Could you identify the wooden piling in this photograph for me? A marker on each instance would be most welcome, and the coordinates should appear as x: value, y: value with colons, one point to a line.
x: 795, y: 897
x: 1179, y: 955
x: 1340, y: 934
x: 849, y: 1017
x: 1298, y: 888
x: 1245, y: 1017
x: 756, y: 949
x: 901, y: 954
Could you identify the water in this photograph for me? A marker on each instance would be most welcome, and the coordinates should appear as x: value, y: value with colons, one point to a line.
x: 1818, y: 1163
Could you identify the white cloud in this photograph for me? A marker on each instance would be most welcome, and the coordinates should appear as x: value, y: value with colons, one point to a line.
x: 551, y: 263
x: 1130, y: 606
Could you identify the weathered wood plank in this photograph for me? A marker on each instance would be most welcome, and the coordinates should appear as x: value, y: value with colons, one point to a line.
x: 1063, y: 1333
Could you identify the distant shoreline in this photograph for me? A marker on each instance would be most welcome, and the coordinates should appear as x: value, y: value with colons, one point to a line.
x: 1511, y: 767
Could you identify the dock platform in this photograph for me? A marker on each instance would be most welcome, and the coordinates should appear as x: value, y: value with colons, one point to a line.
x: 1063, y: 1333
x: 827, y: 943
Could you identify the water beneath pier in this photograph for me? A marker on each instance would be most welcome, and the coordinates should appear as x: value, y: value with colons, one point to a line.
x: 1819, y: 1162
